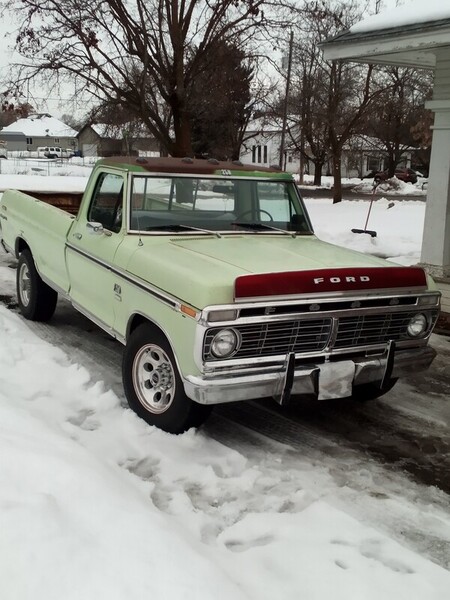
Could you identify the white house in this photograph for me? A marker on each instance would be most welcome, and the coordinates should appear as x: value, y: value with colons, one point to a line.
x: 37, y: 130
x: 262, y: 145
x: 361, y: 154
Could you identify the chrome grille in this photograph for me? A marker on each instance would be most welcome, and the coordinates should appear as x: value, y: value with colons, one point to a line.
x: 307, y: 335
x: 279, y: 337
x: 366, y: 330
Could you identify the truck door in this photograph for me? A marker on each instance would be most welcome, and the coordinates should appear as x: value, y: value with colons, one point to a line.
x: 91, y: 247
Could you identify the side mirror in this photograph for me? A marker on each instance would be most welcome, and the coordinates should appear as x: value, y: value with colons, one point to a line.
x: 95, y: 228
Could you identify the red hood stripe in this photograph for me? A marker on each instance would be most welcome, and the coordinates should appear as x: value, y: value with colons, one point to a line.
x: 328, y: 280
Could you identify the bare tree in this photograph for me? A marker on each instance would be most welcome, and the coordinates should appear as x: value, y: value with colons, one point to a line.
x: 349, y: 99
x: 143, y: 54
x: 308, y: 130
x: 399, y: 109
x: 333, y: 98
x: 12, y: 108
x: 421, y: 131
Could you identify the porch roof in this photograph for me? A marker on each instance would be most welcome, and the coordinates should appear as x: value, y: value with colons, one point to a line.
x: 410, y: 42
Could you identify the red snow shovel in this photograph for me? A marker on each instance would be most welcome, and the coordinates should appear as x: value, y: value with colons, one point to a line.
x: 365, y: 230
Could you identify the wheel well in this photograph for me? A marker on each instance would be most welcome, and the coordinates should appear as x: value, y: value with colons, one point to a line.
x: 21, y: 245
x: 137, y: 320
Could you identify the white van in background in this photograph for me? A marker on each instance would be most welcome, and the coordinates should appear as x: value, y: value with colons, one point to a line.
x: 3, y: 151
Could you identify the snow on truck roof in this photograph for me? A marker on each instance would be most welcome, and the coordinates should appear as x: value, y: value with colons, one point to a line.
x: 194, y: 166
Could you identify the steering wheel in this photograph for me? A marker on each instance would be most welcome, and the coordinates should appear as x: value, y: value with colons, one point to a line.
x: 258, y: 210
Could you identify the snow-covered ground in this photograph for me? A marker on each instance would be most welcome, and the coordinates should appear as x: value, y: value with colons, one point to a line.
x: 391, y: 187
x: 44, y: 175
x: 398, y: 225
x: 96, y: 504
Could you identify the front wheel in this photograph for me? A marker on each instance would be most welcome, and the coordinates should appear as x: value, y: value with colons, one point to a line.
x: 37, y: 301
x: 153, y: 385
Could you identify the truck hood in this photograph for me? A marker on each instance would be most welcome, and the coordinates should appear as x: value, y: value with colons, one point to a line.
x: 202, y: 271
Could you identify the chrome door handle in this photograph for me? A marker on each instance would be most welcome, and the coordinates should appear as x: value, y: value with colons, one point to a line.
x: 78, y: 236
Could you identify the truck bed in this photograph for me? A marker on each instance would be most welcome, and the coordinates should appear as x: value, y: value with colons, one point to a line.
x: 68, y: 201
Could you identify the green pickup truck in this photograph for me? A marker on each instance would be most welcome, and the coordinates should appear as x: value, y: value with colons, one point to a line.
x: 211, y: 276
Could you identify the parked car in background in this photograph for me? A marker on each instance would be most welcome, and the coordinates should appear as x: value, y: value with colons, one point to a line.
x: 404, y: 174
x: 54, y: 152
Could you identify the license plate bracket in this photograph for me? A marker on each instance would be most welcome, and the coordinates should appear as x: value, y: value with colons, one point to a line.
x: 336, y: 380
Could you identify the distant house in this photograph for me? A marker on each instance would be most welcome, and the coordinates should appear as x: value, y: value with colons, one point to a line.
x: 262, y: 145
x: 361, y: 154
x: 37, y: 130
x: 100, y: 139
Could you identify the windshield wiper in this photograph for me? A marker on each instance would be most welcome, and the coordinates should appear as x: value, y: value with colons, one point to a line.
x: 264, y: 227
x: 179, y: 227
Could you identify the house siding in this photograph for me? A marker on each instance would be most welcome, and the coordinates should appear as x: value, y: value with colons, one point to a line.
x: 19, y: 142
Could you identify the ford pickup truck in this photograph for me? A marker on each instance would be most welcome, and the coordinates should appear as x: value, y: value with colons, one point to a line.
x: 211, y: 276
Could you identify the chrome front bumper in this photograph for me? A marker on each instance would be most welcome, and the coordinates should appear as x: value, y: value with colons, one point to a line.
x: 323, y: 381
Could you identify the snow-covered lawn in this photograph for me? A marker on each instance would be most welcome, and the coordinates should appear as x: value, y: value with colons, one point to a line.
x: 391, y: 187
x: 398, y: 224
x: 95, y: 504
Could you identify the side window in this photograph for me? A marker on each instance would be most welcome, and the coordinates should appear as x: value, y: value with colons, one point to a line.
x: 274, y: 201
x: 107, y: 200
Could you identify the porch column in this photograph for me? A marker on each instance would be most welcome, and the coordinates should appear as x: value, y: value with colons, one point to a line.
x: 436, y: 234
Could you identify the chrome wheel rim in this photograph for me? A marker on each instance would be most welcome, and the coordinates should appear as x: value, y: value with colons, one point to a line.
x: 153, y: 378
x: 24, y: 284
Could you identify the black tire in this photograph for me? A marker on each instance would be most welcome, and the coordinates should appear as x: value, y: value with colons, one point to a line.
x: 372, y: 391
x: 37, y: 301
x: 153, y: 385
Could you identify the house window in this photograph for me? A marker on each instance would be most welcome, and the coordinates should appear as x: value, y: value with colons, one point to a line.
x: 29, y: 141
x: 373, y: 163
x: 56, y: 140
x: 259, y: 154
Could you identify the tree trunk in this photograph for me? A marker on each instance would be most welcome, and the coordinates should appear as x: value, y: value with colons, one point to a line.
x: 318, y: 166
x: 182, y: 145
x: 337, y: 189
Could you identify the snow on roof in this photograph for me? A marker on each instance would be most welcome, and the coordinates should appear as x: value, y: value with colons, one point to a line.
x: 410, y: 13
x: 265, y: 124
x: 118, y: 132
x: 105, y: 130
x: 40, y: 126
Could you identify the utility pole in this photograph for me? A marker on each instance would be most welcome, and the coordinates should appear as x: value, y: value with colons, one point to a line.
x: 302, y: 132
x: 285, y: 108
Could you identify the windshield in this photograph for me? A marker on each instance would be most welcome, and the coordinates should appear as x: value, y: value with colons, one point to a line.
x: 215, y: 205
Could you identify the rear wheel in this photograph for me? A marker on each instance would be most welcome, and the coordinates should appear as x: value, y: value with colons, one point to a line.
x: 153, y: 385
x: 372, y: 391
x: 37, y: 301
